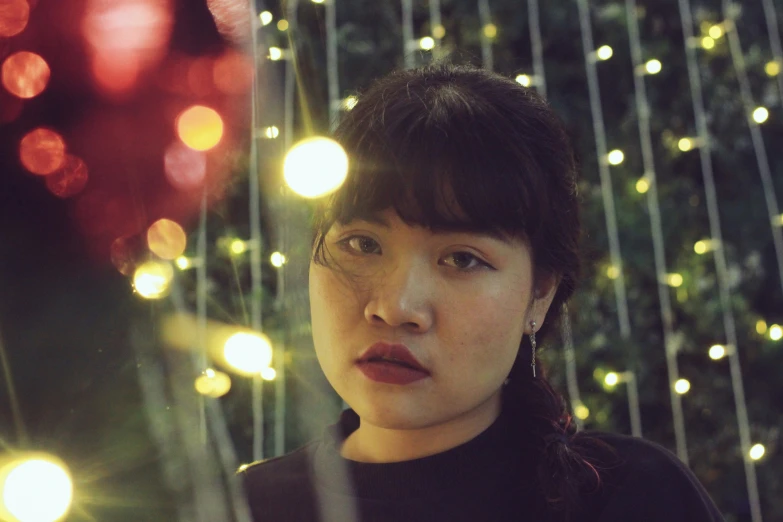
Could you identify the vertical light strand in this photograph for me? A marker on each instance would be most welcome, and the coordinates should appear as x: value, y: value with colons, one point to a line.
x: 332, y: 70
x: 201, y: 306
x: 407, y: 34
x: 659, y: 249
x: 436, y: 26
x: 759, y: 149
x: 774, y: 42
x: 534, y: 23
x: 686, y: 19
x: 485, y: 19
x: 572, y: 384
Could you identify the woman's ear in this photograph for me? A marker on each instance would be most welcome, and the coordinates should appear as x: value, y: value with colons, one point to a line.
x: 544, y: 291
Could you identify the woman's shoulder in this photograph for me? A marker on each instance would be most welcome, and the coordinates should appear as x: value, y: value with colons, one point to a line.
x: 647, y: 479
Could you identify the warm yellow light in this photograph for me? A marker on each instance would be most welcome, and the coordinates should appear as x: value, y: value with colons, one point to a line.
x: 243, y: 467
x: 581, y: 411
x: 685, y: 144
x: 642, y: 185
x: 166, y: 239
x: 700, y: 247
x: 611, y: 379
x: 275, y: 53
x: 36, y: 490
x: 523, y: 80
x: 237, y: 246
x: 615, y: 157
x: 674, y: 280
x: 760, y: 115
x: 350, y: 102
x: 271, y: 132
x: 716, y: 31
x: 265, y: 17
x: 315, y: 167
x: 268, y: 374
x: 282, y: 25
x: 682, y: 386
x: 438, y: 31
x: 213, y: 384
x: 318, y: 1
x: 772, y: 68
x: 183, y: 263
x: 427, y: 43
x: 708, y: 43
x: 778, y: 220
x: 604, y: 52
x: 761, y: 327
x: 775, y: 332
x: 490, y: 30
x: 200, y: 128
x: 653, y: 66
x: 757, y: 451
x: 277, y: 259
x: 717, y: 351
x: 153, y: 279
x: 613, y: 272
x: 248, y: 353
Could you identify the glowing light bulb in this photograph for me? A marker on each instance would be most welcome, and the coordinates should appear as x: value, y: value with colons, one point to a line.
x: 271, y: 132
x: 604, y: 52
x: 717, y: 352
x: 682, y: 386
x: 775, y: 332
x: 153, y: 279
x: 282, y: 25
x: 268, y: 374
x: 213, y: 384
x: 200, y: 128
x: 685, y: 144
x: 615, y: 157
x: 265, y: 17
x: 277, y: 259
x: 613, y: 272
x: 275, y: 53
x: 716, y: 31
x: 772, y: 68
x: 581, y: 411
x: 674, y: 280
x: 490, y: 30
x: 761, y: 327
x: 315, y: 167
x: 653, y: 66
x: 756, y: 451
x: 248, y: 353
x: 707, y: 43
x: 760, y: 115
x: 523, y: 80
x: 183, y: 263
x: 611, y: 379
x: 349, y: 102
x: 700, y: 247
x: 438, y: 31
x: 237, y: 246
x: 642, y: 185
x: 318, y: 1
x: 36, y: 490
x: 427, y: 43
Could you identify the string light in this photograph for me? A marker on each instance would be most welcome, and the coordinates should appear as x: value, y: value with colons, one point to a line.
x: 277, y: 259
x: 265, y: 17
x: 615, y: 157
x: 674, y: 280
x: 427, y: 43
x: 611, y: 379
x: 757, y: 451
x: 152, y: 279
x: 653, y: 66
x: 315, y: 167
x: 708, y: 43
x: 523, y: 80
x: 716, y: 31
x: 760, y: 115
x: 772, y: 68
x: 183, y: 263
x: 237, y: 246
x: 318, y: 1
x: 271, y: 132
x: 581, y: 411
x: 490, y: 30
x: 212, y: 383
x: 37, y: 488
x: 682, y: 386
x: 717, y: 352
x: 642, y: 185
x: 269, y: 374
x: 685, y: 144
x: 613, y: 272
x: 604, y: 52
x: 248, y: 353
x: 761, y: 327
x: 775, y: 332
x: 282, y: 25
x: 349, y: 102
x: 439, y: 31
x: 275, y: 54
x: 705, y: 245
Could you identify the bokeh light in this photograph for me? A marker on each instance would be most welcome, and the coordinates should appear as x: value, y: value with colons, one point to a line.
x: 653, y: 66
x: 128, y: 252
x: 761, y: 327
x: 615, y: 157
x: 350, y: 102
x: 269, y: 374
x: 682, y: 386
x: 277, y: 259
x: 282, y: 25
x: 716, y: 31
x: 757, y: 451
x: 185, y: 168
x: 642, y: 185
x: 613, y: 272
x: 36, y: 489
x: 760, y: 114
x: 248, y: 353
x: 772, y: 68
x: 70, y: 179
x: 213, y: 383
x: 200, y: 77
x: 674, y: 280
x: 523, y: 80
x: 275, y: 53
x: 14, y: 15
x: 265, y: 17
x: 232, y: 73
x: 427, y: 43
x: 717, y: 351
x: 271, y: 132
x: 438, y: 31
x: 237, y: 246
x: 200, y: 128
x: 685, y: 144
x: 42, y: 151
x: 152, y: 280
x: 708, y: 43
x: 315, y: 167
x: 166, y: 239
x: 604, y: 52
x: 611, y: 379
x: 490, y: 31
x: 25, y: 74
x: 581, y: 411
x: 775, y: 332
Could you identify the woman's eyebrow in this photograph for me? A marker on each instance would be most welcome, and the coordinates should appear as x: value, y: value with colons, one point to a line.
x: 445, y: 228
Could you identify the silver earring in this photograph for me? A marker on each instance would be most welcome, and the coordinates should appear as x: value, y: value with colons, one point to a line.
x: 533, y: 345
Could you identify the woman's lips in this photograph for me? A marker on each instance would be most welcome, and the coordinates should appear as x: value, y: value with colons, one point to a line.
x: 390, y: 373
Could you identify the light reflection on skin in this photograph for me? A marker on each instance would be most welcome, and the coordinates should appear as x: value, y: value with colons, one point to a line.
x: 410, y: 286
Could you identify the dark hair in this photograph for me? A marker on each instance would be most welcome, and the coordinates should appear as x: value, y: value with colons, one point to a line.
x: 452, y: 146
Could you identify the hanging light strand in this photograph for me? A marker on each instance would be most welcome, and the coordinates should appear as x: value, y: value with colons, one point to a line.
x: 485, y: 19
x: 771, y: 18
x: 332, y: 70
x: 409, y: 59
x: 686, y: 19
x: 534, y: 23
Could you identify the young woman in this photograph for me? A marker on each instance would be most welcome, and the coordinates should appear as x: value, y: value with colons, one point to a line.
x: 438, y: 268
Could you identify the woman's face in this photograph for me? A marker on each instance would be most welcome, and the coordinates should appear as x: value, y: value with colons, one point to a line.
x: 460, y: 302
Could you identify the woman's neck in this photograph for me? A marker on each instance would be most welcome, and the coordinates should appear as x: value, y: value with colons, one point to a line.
x: 373, y: 444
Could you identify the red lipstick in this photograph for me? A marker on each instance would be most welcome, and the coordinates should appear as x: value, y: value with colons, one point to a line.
x: 391, y: 364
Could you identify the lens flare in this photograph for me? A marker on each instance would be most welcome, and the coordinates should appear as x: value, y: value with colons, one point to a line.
x: 248, y: 353
x: 152, y: 280
x: 42, y: 151
x: 200, y: 128
x: 166, y: 239
x: 36, y: 490
x: 70, y: 179
x: 315, y: 167
x: 25, y: 74
x: 14, y: 15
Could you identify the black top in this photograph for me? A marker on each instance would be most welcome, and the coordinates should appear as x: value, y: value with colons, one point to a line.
x: 489, y: 478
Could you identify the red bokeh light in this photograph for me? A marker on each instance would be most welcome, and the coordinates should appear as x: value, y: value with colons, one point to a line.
x: 25, y: 74
x: 42, y: 151
x: 185, y: 168
x: 127, y: 252
x: 70, y: 179
x: 232, y: 73
x: 14, y: 15
x: 117, y: 74
x: 200, y: 77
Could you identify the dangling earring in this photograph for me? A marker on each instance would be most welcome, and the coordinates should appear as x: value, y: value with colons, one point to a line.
x: 533, y: 346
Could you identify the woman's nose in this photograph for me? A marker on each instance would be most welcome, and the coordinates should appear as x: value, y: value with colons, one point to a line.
x: 403, y: 297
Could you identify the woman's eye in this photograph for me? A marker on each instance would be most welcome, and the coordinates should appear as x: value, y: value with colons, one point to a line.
x: 466, y: 261
x: 361, y: 244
